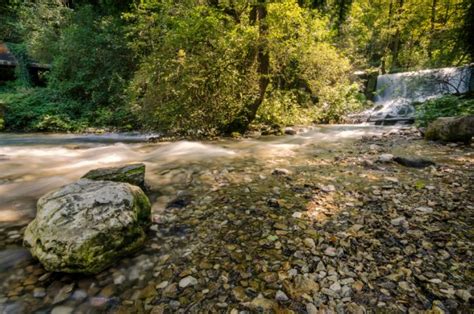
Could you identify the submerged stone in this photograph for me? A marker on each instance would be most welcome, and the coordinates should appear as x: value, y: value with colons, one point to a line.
x: 133, y: 174
x: 86, y: 226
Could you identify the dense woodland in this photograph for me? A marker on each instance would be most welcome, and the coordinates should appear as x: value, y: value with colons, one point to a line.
x: 216, y: 66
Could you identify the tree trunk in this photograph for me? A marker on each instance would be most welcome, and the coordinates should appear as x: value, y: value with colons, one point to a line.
x: 249, y: 111
x: 432, y: 29
x: 396, y: 40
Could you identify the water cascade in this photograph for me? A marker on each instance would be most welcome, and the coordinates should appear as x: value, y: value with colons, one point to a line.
x: 397, y: 94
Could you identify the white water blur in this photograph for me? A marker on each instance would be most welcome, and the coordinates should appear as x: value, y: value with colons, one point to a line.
x: 397, y: 92
x: 31, y: 166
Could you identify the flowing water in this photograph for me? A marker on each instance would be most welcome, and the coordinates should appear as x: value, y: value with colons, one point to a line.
x: 220, y: 214
x: 396, y: 93
x: 33, y: 164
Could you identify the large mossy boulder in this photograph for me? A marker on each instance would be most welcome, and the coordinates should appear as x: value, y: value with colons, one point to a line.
x: 133, y: 174
x: 86, y: 226
x: 451, y: 129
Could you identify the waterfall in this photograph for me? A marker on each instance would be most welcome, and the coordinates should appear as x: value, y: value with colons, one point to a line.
x: 398, y: 93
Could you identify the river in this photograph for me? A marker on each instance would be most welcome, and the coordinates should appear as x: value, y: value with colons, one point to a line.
x: 33, y: 164
x: 342, y: 231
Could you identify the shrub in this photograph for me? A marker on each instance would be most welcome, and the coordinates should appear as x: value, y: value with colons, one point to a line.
x: 40, y: 109
x: 446, y: 106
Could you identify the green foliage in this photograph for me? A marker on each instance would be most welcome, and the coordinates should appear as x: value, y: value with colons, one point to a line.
x: 8, y: 16
x: 21, y: 70
x: 187, y: 66
x: 91, y: 62
x: 406, y: 35
x: 40, y: 109
x: 446, y: 106
x: 193, y: 74
x: 91, y: 69
x: 198, y: 66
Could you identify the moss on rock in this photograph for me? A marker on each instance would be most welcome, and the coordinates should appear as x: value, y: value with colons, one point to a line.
x: 86, y: 226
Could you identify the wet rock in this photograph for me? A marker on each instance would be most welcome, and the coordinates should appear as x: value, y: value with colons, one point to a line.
x: 413, y: 162
x: 133, y: 174
x: 86, y: 226
x: 63, y: 294
x: 290, y: 131
x: 79, y: 295
x: 12, y: 257
x: 451, y: 129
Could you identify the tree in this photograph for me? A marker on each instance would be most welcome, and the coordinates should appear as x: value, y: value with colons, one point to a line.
x: 262, y: 59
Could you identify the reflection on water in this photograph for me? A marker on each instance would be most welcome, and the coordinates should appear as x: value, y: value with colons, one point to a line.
x: 32, y: 165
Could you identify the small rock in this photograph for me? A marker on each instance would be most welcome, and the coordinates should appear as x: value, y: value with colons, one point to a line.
x: 62, y: 310
x: 187, y: 281
x: 329, y: 292
x: 464, y: 295
x: 320, y: 267
x: 404, y: 285
x: 309, y: 243
x: 374, y: 147
x: 330, y: 251
x: 158, y: 309
x: 385, y: 158
x: 39, y: 292
x: 99, y: 301
x: 311, y: 308
x: 297, y: 215
x: 281, y: 296
x: 174, y: 304
x: 281, y: 172
x: 398, y: 221
x: 239, y: 294
x: 63, y: 294
x: 328, y: 188
x: 336, y: 287
x: 162, y: 285
x: 261, y: 303
x: 171, y: 291
x: 79, y: 295
x: 119, y: 279
x: 424, y: 209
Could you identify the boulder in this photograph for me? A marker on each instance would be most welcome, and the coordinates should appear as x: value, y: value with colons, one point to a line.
x: 451, y: 129
x: 133, y: 174
x: 84, y: 227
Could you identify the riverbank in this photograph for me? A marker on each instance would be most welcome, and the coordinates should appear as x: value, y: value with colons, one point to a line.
x: 320, y: 220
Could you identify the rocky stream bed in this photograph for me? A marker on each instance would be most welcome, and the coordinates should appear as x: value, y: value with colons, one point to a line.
x: 319, y: 222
